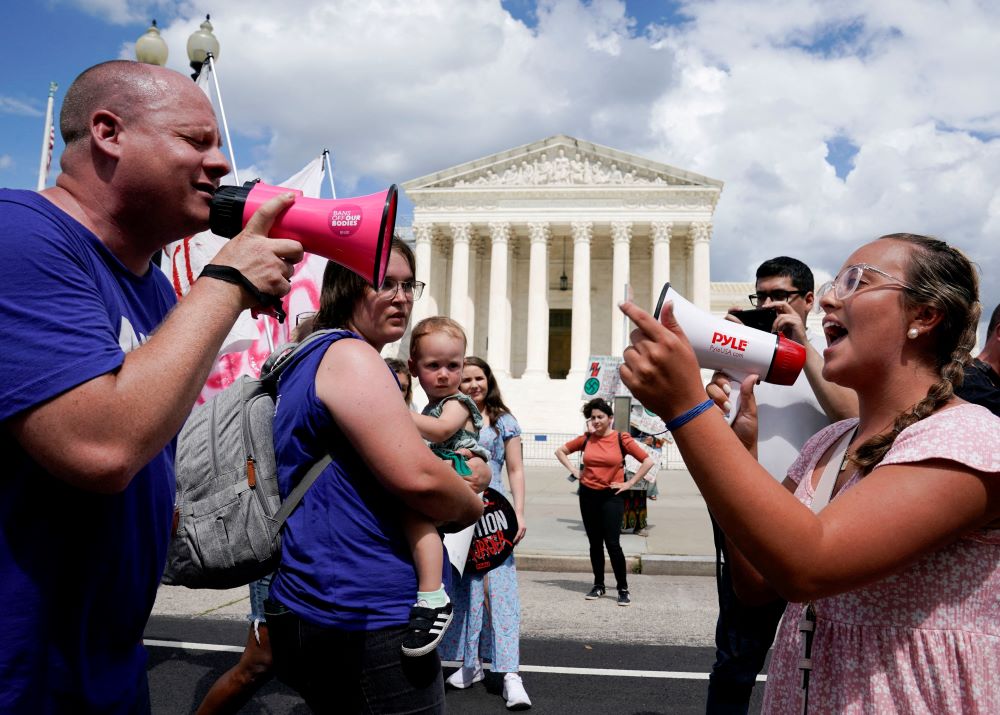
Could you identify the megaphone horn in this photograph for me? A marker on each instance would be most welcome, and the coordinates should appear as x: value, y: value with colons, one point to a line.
x: 735, y: 349
x: 355, y: 232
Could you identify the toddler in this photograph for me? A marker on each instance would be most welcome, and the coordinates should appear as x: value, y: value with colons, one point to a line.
x: 450, y: 422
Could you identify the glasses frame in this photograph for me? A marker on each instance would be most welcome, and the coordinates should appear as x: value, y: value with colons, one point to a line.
x: 304, y: 316
x: 754, y: 296
x: 835, y: 283
x: 415, y: 292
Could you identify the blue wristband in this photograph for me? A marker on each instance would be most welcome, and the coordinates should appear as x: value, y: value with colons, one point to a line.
x: 682, y: 419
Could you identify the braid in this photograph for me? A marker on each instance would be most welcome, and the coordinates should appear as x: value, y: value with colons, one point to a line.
x: 943, y: 277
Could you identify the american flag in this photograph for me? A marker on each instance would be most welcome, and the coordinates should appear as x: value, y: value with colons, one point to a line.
x: 52, y: 146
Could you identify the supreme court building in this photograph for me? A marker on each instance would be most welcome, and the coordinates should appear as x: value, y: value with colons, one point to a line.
x: 531, y: 250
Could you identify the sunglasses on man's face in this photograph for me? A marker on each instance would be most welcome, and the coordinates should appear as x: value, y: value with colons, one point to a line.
x: 775, y: 296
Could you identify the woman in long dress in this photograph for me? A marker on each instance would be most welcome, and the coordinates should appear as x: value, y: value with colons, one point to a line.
x: 487, y: 621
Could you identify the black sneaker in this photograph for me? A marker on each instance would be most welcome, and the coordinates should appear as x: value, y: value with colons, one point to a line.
x: 595, y: 592
x: 427, y: 625
x: 623, y: 599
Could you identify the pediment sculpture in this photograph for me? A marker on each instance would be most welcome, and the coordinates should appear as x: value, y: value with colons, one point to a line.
x: 561, y: 170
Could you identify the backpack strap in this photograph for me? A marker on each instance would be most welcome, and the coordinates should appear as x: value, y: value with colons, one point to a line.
x: 621, y: 446
x: 284, y: 355
x: 276, y: 362
x: 289, y: 504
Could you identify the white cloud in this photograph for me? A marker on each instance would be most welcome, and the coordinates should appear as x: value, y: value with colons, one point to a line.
x: 10, y: 105
x: 121, y: 12
x: 754, y: 109
x: 400, y: 89
x: 748, y: 92
x: 6, y: 161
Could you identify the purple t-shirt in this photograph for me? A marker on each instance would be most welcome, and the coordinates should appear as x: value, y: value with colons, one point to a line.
x: 78, y: 570
x: 345, y: 559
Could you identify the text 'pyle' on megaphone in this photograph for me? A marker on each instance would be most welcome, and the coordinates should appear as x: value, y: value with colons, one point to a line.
x: 356, y: 233
x: 734, y: 349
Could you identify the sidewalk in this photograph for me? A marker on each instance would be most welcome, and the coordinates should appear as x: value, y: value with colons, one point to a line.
x: 679, y: 541
x: 680, y: 534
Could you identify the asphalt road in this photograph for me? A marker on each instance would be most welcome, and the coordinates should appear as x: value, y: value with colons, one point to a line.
x: 560, y: 675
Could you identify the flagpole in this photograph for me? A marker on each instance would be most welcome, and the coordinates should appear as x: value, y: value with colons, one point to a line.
x: 329, y: 171
x: 43, y: 165
x: 210, y: 60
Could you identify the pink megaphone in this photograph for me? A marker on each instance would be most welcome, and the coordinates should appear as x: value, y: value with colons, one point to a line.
x: 356, y: 233
x: 735, y: 349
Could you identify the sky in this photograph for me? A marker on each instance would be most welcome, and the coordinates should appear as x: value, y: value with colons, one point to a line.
x: 831, y: 123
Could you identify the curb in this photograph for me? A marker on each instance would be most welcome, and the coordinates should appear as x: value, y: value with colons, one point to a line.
x: 663, y: 565
x: 652, y: 564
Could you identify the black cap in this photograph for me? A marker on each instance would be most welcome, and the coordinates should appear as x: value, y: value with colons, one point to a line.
x: 226, y: 215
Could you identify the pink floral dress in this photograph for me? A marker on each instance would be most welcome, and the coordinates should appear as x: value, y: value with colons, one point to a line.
x: 924, y: 640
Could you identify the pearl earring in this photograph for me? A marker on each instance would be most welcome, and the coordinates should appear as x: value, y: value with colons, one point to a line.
x: 912, y: 333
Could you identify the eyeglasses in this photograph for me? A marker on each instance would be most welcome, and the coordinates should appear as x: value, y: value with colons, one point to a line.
x: 411, y: 289
x: 776, y: 296
x: 303, y: 317
x: 844, y: 285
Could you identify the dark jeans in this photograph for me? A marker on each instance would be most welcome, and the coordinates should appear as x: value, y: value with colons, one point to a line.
x: 339, y: 671
x: 143, y: 705
x: 743, y: 635
x: 602, y: 512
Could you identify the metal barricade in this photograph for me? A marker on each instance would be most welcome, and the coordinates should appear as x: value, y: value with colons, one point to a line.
x: 538, y: 450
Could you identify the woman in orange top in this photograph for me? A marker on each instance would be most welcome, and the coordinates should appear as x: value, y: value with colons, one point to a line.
x: 602, y: 481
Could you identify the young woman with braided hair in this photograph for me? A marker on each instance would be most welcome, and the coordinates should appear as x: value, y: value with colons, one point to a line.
x: 894, y: 583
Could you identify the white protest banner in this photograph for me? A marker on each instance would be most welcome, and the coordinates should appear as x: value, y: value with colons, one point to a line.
x: 602, y: 378
x: 646, y: 421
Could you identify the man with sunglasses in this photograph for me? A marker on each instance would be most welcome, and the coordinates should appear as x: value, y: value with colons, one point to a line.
x: 788, y: 416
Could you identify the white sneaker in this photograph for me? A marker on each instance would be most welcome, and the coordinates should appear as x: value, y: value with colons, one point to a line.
x: 464, y: 677
x: 514, y: 693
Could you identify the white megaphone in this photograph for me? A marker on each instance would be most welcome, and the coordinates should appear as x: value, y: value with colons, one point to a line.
x: 734, y: 349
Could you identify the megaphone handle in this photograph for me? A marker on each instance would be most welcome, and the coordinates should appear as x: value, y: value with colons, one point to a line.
x: 733, y: 399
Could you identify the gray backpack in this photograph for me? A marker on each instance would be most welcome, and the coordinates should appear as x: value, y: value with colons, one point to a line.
x: 228, y: 512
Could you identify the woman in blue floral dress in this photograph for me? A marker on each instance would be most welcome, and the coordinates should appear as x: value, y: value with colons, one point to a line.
x: 487, y: 621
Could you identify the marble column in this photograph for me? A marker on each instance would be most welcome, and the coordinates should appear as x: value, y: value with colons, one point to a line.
x: 427, y: 305
x: 621, y: 238
x: 701, y: 294
x: 537, y: 358
x: 458, y: 305
x: 475, y: 281
x: 580, y: 338
x: 660, y: 232
x: 498, y: 335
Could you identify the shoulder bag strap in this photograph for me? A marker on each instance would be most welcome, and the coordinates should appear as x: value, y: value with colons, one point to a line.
x: 288, y: 506
x: 824, y: 490
x: 586, y: 438
x: 621, y: 446
x: 821, y: 497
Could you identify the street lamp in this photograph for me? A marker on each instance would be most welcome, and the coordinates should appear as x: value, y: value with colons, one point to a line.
x: 152, y: 49
x: 200, y: 45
